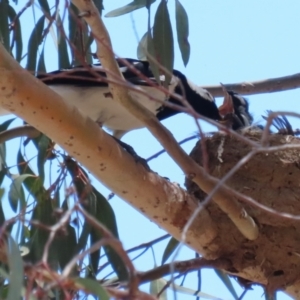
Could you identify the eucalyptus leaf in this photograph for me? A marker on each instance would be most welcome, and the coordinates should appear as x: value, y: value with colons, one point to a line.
x: 188, y: 291
x: 163, y: 41
x: 17, y: 33
x: 182, y: 26
x: 16, y: 273
x: 156, y: 287
x: 34, y: 42
x: 93, y: 287
x: 171, y: 247
x: 132, y: 6
x: 227, y: 282
x: 16, y: 192
x: 4, y: 28
x: 63, y: 56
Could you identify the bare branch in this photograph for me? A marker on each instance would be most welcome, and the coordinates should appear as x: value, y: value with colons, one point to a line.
x: 20, y: 131
x: 182, y: 267
x: 272, y: 85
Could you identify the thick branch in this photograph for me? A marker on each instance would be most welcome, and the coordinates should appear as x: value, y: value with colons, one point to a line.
x: 20, y: 131
x: 161, y: 201
x: 258, y: 87
x: 104, y: 51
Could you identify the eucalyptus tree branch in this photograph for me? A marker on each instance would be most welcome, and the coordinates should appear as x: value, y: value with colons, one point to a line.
x: 222, y: 197
x: 271, y: 85
x: 26, y: 130
x: 182, y: 267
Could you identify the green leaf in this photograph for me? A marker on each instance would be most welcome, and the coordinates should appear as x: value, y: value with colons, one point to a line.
x: 82, y: 241
x: 99, y: 207
x: 156, y: 286
x: 171, y: 247
x: 33, y: 183
x: 151, y: 57
x: 141, y: 52
x: 45, y: 6
x: 16, y: 270
x: 41, y: 68
x: 227, y: 282
x: 4, y: 127
x: 163, y: 40
x: 92, y: 286
x: 182, y: 26
x: 17, y: 33
x: 43, y: 147
x: 187, y: 291
x: 4, y: 28
x: 94, y: 256
x: 65, y: 246
x: 16, y: 192
x: 43, y: 213
x: 2, y: 216
x: 35, y: 40
x: 105, y: 215
x: 137, y: 4
x: 63, y: 56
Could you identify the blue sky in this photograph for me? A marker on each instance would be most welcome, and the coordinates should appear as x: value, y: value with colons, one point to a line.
x: 231, y: 41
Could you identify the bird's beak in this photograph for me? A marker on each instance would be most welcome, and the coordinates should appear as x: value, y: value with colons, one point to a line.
x: 227, y: 107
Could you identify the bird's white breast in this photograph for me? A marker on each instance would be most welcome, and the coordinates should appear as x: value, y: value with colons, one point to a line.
x: 98, y: 104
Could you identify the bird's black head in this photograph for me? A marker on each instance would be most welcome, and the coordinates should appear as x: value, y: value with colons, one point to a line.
x: 200, y: 99
x: 235, y: 110
x: 241, y: 109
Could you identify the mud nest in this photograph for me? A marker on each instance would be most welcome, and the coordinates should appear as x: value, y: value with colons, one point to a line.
x: 272, y: 179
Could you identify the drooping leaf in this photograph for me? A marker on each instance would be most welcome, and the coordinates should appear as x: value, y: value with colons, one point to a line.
x: 99, y: 207
x: 63, y: 56
x: 34, y: 43
x: 41, y: 67
x: 151, y: 55
x: 156, y: 287
x: 2, y: 216
x: 65, y: 246
x: 4, y: 28
x: 141, y: 52
x: 17, y: 33
x: 4, y: 127
x: 171, y: 247
x: 45, y: 6
x: 43, y: 147
x: 137, y: 4
x: 82, y: 241
x: 163, y: 40
x: 105, y: 215
x: 93, y: 287
x: 16, y: 192
x: 32, y: 183
x: 188, y: 291
x: 227, y: 282
x: 94, y: 256
x: 79, y: 36
x: 43, y: 213
x: 16, y: 270
x: 182, y: 27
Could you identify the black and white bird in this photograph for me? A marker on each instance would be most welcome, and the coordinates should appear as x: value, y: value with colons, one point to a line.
x: 87, y: 89
x: 84, y: 88
x: 235, y: 111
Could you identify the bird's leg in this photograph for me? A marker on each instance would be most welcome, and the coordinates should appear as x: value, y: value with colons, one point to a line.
x: 132, y: 152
